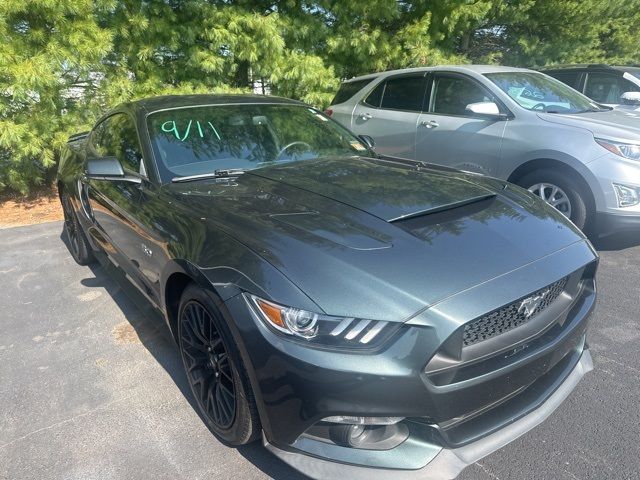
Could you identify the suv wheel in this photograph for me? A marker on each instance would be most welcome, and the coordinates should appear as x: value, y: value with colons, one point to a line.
x: 560, y: 192
x: 215, y: 371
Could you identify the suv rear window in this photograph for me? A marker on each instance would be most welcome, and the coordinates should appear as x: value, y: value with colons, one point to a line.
x: 348, y: 90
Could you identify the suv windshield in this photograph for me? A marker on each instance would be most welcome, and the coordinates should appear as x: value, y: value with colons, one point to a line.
x: 202, y: 139
x: 535, y: 91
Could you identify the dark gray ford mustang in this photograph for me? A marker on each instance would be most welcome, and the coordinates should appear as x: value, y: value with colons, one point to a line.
x: 368, y: 317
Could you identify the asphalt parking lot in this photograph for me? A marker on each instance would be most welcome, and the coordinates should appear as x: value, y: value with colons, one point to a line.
x: 91, y: 388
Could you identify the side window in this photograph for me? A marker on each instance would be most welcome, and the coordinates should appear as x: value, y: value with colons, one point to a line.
x: 404, y: 93
x: 95, y: 140
x: 374, y: 98
x: 116, y: 137
x: 348, y: 90
x: 568, y: 78
x: 452, y: 94
x: 607, y: 88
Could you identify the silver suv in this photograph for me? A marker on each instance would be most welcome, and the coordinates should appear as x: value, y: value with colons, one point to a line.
x: 515, y: 124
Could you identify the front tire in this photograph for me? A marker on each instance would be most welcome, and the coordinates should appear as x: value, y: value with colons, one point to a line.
x: 561, y: 192
x: 215, y: 372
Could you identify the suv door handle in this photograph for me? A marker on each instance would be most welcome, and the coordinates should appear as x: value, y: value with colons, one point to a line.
x: 365, y: 116
x: 430, y: 124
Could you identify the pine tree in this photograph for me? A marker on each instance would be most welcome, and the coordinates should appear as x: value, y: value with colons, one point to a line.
x: 50, y: 56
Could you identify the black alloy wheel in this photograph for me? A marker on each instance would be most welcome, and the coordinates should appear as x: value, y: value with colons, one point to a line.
x: 78, y: 244
x: 215, y: 370
x: 207, y: 364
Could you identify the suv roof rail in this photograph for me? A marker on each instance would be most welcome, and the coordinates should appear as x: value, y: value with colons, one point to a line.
x: 578, y: 65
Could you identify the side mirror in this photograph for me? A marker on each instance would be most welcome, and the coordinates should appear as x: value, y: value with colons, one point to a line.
x: 485, y: 109
x: 630, y: 98
x: 108, y: 168
x: 367, y: 140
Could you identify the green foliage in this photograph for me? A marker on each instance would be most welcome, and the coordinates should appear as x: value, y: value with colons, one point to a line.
x: 64, y: 62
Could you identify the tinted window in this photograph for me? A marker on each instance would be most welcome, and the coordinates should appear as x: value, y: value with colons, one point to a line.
x: 569, y: 78
x: 348, y: 90
x: 202, y: 139
x: 375, y: 96
x: 452, y: 95
x: 404, y: 93
x: 607, y: 88
x: 116, y: 137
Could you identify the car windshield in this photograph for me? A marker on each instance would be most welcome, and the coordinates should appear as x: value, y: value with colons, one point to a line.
x: 199, y: 140
x: 635, y: 71
x: 535, y: 91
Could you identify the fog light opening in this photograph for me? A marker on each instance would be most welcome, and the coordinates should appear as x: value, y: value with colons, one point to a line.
x: 368, y: 437
x: 627, y: 196
x: 350, y: 435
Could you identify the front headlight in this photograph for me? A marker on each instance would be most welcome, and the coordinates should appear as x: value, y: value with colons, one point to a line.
x: 625, y: 150
x: 322, y: 329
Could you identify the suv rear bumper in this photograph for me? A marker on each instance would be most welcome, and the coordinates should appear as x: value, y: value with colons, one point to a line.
x: 446, y: 463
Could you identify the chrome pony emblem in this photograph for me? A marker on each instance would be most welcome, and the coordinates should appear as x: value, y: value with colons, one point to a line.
x: 529, y: 305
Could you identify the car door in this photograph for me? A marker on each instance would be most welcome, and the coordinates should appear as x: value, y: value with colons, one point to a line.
x: 114, y: 203
x: 606, y: 88
x: 389, y: 114
x: 448, y: 134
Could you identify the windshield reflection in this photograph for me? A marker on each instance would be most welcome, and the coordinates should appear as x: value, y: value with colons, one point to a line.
x: 538, y: 92
x: 202, y: 139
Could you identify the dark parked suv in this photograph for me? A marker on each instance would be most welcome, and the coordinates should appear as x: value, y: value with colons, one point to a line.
x: 367, y: 317
x: 602, y: 83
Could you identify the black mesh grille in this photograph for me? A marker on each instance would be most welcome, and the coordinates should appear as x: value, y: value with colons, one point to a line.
x: 512, y: 315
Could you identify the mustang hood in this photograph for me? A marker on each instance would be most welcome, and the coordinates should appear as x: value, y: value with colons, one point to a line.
x: 375, y: 238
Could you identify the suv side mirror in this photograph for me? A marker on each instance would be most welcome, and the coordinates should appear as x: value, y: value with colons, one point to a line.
x: 630, y: 98
x: 108, y: 168
x: 485, y: 109
x: 367, y: 140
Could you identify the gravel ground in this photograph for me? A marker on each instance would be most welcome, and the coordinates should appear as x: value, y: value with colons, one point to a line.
x: 91, y: 388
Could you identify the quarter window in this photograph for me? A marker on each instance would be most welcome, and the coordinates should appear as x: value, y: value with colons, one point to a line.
x: 404, y: 93
x: 452, y: 95
x: 374, y: 98
x: 605, y: 88
x: 348, y: 90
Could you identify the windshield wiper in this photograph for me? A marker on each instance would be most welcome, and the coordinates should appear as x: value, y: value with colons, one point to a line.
x: 220, y: 173
x: 599, y: 109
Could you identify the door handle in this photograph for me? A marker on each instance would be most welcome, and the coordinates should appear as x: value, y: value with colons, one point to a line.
x: 429, y: 124
x: 365, y: 116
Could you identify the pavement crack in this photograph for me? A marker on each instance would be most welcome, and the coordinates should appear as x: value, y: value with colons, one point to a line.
x: 68, y: 420
x: 487, y: 471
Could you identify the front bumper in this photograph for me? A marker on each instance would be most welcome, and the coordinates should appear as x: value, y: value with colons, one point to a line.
x: 607, y: 171
x: 467, y: 408
x: 610, y: 223
x: 446, y: 463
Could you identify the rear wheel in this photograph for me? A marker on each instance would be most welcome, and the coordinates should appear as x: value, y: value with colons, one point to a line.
x: 215, y: 371
x: 561, y: 192
x: 78, y: 244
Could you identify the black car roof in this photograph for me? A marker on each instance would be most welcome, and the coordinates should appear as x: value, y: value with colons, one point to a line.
x: 592, y: 66
x: 152, y: 104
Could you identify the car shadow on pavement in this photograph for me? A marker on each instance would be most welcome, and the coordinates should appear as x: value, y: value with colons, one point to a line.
x: 153, y: 333
x: 617, y: 242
